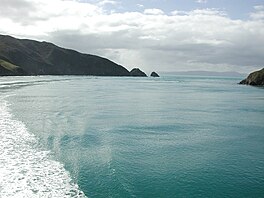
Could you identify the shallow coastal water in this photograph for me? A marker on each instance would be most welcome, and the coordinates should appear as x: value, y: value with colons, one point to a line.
x: 174, y: 136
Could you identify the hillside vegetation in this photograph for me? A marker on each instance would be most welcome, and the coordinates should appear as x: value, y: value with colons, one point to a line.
x: 29, y: 57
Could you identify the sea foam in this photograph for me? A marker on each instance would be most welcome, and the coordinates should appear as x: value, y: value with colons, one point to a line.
x: 25, y: 169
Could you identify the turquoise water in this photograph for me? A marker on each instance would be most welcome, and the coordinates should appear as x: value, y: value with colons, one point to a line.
x: 174, y: 136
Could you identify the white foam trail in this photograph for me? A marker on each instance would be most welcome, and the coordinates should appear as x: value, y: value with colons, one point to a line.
x: 25, y: 170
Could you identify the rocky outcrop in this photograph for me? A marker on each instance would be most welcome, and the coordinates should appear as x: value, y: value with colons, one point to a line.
x: 154, y: 74
x: 255, y: 78
x: 137, y: 72
x: 29, y: 57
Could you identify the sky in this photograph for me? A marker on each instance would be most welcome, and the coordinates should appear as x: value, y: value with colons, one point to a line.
x: 154, y: 35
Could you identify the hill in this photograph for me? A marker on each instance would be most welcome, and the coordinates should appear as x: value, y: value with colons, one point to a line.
x: 29, y: 57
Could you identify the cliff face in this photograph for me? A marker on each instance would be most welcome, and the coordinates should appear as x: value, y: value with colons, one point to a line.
x: 28, y: 57
x: 255, y: 78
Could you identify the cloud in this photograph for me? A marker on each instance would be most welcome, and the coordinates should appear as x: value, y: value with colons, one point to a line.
x: 258, y: 14
x: 201, y: 1
x: 15, y: 9
x: 259, y: 7
x: 153, y: 11
x: 140, y: 5
x: 201, y: 39
x: 107, y: 2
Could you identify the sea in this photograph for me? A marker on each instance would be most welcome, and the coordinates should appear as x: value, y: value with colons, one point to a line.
x: 98, y: 137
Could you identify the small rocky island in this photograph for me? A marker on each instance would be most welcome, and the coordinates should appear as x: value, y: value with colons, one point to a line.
x: 154, y: 74
x: 137, y: 72
x: 255, y: 78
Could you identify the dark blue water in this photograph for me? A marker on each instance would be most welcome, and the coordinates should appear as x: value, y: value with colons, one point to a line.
x: 174, y: 136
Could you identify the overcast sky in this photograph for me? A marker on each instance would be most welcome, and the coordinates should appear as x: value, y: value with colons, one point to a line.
x: 160, y: 35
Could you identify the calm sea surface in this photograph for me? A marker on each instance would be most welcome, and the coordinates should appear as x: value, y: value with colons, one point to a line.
x: 174, y: 136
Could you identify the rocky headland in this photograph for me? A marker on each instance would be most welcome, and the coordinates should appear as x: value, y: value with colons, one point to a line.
x: 255, y: 78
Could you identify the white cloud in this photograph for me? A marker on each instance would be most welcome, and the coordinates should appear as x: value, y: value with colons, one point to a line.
x: 201, y: 1
x: 205, y: 39
x: 259, y: 7
x: 207, y: 12
x: 140, y: 5
x: 107, y: 2
x: 179, y: 12
x: 258, y: 14
x: 153, y: 11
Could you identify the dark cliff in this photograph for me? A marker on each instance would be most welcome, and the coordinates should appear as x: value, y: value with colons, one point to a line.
x: 29, y: 57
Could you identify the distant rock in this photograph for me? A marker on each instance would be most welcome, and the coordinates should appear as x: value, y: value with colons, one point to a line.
x: 255, y: 78
x: 154, y: 74
x: 137, y: 72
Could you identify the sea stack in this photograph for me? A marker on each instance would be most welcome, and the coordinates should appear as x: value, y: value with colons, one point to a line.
x: 137, y: 72
x: 255, y: 78
x: 154, y: 74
